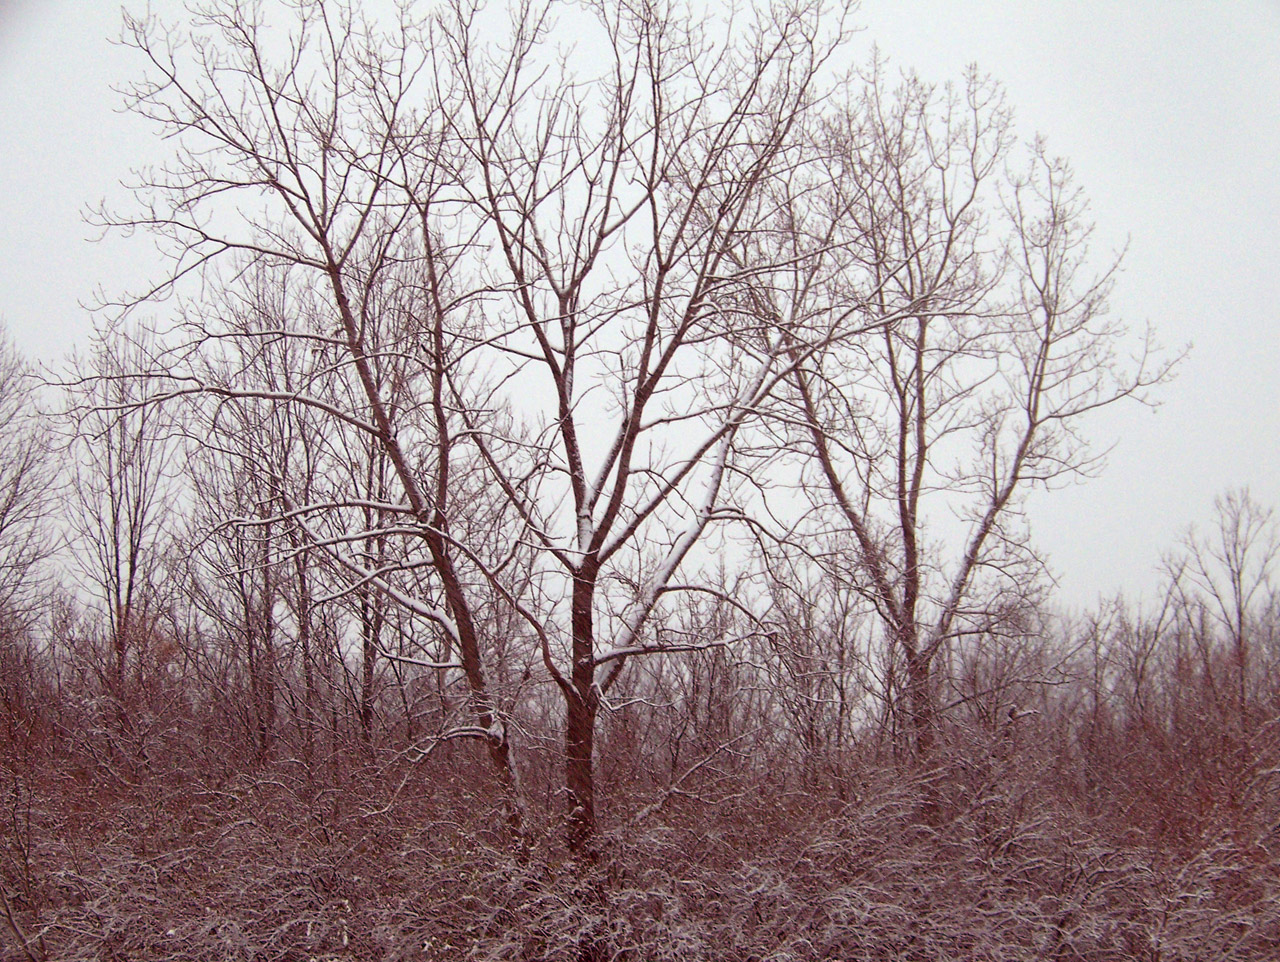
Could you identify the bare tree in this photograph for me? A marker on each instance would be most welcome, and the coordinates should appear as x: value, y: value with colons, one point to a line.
x: 993, y: 347
x: 233, y: 587
x: 517, y: 286
x: 322, y: 138
x: 616, y: 206
x: 26, y: 478
x: 125, y: 461
x: 1223, y: 582
x: 819, y: 659
x: 27, y: 539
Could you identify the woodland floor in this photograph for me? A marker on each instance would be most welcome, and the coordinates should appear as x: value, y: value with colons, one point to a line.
x: 964, y: 862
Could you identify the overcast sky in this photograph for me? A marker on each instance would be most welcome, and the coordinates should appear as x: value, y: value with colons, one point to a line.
x: 1168, y: 110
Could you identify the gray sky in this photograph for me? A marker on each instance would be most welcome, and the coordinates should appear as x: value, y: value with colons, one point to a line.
x: 1168, y: 110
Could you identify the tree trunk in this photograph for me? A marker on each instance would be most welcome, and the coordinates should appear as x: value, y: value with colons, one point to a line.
x: 920, y: 707
x: 308, y: 666
x: 371, y: 618
x: 582, y: 706
x: 119, y: 644
x: 579, y: 772
x: 262, y: 663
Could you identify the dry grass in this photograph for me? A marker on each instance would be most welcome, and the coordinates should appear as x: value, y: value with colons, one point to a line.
x: 276, y: 867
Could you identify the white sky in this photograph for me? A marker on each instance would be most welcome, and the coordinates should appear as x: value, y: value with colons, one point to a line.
x: 1169, y: 110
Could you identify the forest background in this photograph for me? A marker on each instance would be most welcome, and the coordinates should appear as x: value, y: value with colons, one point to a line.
x: 578, y: 509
